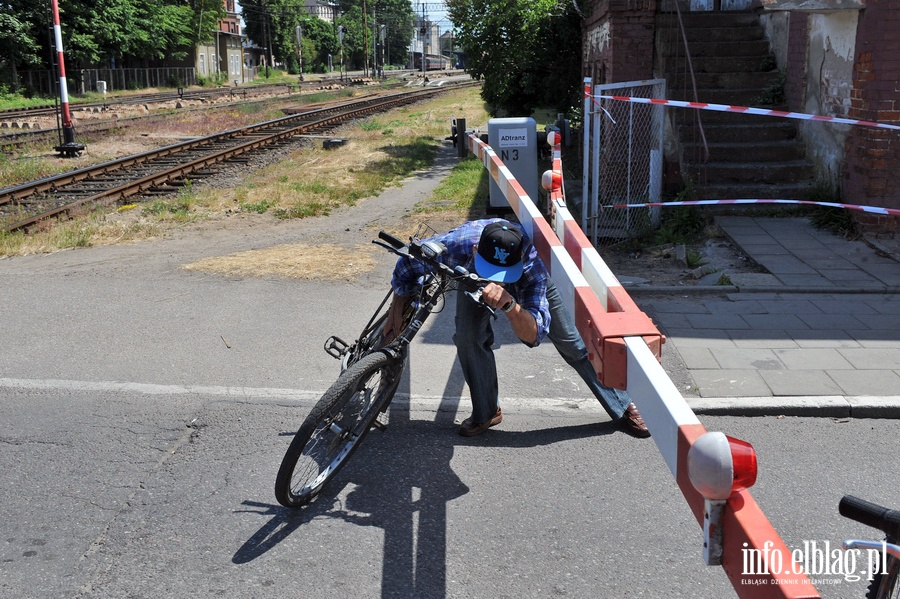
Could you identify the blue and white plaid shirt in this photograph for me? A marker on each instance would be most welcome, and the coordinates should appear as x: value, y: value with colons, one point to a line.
x: 530, y: 291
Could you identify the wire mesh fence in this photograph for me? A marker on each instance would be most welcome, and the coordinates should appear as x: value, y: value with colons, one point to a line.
x: 623, y: 160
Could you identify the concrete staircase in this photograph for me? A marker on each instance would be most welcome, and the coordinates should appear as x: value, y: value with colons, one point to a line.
x: 749, y: 156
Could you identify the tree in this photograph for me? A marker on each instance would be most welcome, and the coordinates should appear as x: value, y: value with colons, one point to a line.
x: 99, y: 30
x: 398, y: 18
x: 272, y: 24
x: 17, y: 46
x: 319, y: 41
x: 527, y: 53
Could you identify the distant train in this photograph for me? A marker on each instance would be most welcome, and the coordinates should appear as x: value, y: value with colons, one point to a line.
x: 433, y: 62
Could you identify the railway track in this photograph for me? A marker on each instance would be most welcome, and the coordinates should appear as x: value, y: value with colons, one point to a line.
x: 154, y: 98
x: 26, y: 126
x: 166, y: 169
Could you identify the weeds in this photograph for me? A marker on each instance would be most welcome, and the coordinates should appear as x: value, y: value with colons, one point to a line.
x: 259, y: 208
x: 836, y: 220
x: 680, y: 225
x: 694, y: 259
x: 774, y: 95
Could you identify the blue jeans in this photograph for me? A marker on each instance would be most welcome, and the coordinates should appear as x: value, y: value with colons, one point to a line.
x: 474, y: 337
x: 571, y: 347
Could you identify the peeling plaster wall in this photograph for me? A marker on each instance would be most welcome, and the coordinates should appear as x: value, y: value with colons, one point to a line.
x: 776, y: 26
x: 832, y: 44
x: 596, y: 41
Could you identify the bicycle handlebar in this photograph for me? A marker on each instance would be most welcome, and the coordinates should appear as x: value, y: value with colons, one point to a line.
x: 393, y: 241
x: 871, y: 514
x: 427, y: 252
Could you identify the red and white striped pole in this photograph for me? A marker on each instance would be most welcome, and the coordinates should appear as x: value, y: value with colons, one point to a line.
x: 68, y: 147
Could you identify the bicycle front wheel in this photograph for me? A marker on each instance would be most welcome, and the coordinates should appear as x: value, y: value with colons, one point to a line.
x: 335, y: 427
x: 885, y: 584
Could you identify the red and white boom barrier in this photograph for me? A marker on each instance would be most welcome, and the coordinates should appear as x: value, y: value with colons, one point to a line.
x: 711, y: 470
x: 68, y: 146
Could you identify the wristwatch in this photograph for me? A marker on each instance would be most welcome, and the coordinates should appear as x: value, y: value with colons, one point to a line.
x: 509, y: 305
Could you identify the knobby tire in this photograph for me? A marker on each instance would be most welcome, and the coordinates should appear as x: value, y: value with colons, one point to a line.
x: 886, y: 586
x: 335, y: 427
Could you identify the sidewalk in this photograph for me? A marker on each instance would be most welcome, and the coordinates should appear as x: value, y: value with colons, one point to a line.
x: 819, y: 335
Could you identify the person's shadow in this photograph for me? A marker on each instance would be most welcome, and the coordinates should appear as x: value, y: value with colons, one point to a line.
x: 402, y: 482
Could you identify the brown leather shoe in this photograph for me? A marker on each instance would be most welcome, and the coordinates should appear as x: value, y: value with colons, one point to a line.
x: 633, y: 424
x: 468, y: 429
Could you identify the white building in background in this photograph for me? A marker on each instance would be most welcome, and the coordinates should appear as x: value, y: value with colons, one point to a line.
x: 327, y: 10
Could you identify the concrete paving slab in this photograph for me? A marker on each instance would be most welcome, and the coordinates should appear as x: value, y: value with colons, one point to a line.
x: 887, y: 358
x: 717, y: 321
x: 759, y: 359
x: 779, y: 321
x: 713, y: 339
x: 813, y: 359
x: 866, y: 382
x: 730, y: 383
x: 698, y: 358
x: 790, y: 383
x: 750, y: 339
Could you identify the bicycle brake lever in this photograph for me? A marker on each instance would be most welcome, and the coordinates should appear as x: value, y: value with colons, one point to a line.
x: 476, y: 297
x: 402, y: 251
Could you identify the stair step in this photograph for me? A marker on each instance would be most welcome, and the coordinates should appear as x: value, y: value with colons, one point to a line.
x: 757, y: 79
x: 711, y: 20
x: 750, y: 156
x: 738, y: 191
x: 749, y: 133
x: 724, y: 47
x: 741, y: 151
x: 737, y: 119
x: 793, y: 171
x: 732, y: 64
x: 732, y: 96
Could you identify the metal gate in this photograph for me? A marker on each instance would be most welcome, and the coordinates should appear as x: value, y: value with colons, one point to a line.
x: 623, y: 159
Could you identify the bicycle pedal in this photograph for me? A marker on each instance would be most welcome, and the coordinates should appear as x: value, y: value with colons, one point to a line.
x: 336, y: 347
x: 381, y: 422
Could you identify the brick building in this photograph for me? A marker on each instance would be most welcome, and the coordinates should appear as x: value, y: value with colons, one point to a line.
x: 223, y: 56
x: 835, y: 58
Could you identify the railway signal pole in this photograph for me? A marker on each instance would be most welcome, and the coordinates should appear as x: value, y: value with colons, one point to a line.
x: 67, y: 146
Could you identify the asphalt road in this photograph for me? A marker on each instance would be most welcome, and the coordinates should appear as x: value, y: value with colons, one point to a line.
x: 144, y: 410
x: 155, y: 492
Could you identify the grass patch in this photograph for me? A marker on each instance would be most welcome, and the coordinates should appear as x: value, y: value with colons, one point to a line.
x: 294, y: 261
x: 464, y: 190
x: 309, y: 182
x: 13, y: 171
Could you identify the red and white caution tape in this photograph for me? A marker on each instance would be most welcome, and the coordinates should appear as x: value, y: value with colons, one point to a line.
x: 746, y: 110
x: 869, y: 209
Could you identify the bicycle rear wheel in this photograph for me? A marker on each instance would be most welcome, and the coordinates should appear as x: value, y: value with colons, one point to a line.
x: 335, y: 427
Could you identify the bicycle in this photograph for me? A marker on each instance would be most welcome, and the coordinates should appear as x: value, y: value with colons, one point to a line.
x: 370, y: 374
x: 884, y: 583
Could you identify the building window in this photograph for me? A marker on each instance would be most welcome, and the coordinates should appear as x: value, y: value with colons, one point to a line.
x: 203, y: 64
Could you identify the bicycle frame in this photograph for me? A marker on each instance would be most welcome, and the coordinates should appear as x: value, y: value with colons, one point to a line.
x: 431, y: 291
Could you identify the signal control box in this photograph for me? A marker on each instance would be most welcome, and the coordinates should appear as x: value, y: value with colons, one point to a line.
x: 515, y: 142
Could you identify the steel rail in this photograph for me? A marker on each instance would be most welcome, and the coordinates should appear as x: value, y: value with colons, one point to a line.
x: 264, y: 134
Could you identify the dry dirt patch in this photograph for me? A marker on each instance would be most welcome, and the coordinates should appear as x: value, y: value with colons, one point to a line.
x: 292, y: 261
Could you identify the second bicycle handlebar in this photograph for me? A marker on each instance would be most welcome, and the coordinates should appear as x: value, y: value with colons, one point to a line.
x: 870, y: 514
